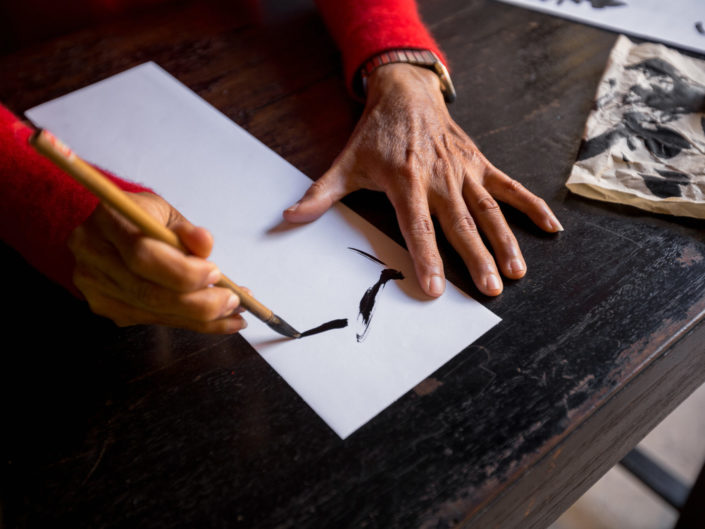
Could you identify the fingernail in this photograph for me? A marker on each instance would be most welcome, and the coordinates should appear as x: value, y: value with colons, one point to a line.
x: 552, y: 221
x: 231, y: 304
x: 492, y: 283
x: 214, y: 276
x: 436, y: 285
x: 516, y: 266
x: 236, y: 324
x: 556, y: 225
x: 293, y: 208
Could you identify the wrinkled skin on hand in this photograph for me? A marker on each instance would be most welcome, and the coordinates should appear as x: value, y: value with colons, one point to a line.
x: 407, y: 145
x: 133, y: 279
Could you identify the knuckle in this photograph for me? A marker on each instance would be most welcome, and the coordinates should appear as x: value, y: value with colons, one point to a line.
x: 421, y: 226
x: 410, y: 181
x: 487, y: 204
x: 471, y: 155
x: 319, y: 186
x: 463, y: 223
x: 442, y: 167
x: 507, y: 239
x: 514, y: 187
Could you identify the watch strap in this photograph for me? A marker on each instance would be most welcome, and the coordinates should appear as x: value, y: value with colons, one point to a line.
x: 423, y: 58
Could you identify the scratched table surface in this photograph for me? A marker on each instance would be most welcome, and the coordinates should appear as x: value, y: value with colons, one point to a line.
x: 156, y: 427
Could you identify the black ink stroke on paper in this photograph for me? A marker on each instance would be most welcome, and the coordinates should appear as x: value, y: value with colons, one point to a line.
x: 334, y: 324
x: 367, y: 303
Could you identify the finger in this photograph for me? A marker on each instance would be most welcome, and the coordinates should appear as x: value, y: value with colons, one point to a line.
x: 416, y: 226
x: 124, y: 315
x: 513, y: 193
x: 197, y: 240
x: 486, y: 212
x: 149, y: 258
x: 322, y: 194
x: 203, y: 305
x: 154, y: 260
x: 167, y: 266
x: 461, y: 230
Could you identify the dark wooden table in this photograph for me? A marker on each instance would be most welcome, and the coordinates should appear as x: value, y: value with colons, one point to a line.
x: 154, y: 427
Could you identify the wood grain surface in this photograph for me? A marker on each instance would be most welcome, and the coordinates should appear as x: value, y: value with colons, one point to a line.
x: 156, y: 427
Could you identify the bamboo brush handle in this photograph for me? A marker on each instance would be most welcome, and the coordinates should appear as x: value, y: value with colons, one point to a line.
x: 48, y: 145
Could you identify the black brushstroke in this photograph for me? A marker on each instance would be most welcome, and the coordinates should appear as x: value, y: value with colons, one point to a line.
x: 365, y: 254
x: 367, y: 303
x: 669, y: 91
x: 700, y: 27
x: 659, y: 141
x: 662, y: 142
x: 667, y: 185
x: 334, y: 324
x: 599, y: 144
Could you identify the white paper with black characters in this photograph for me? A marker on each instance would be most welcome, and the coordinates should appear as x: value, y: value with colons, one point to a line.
x: 677, y: 22
x: 644, y: 143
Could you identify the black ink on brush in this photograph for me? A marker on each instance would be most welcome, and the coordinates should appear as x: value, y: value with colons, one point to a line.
x: 334, y: 324
x: 367, y: 303
x: 700, y: 27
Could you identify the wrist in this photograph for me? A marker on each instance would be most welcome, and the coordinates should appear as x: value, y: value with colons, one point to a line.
x: 397, y: 78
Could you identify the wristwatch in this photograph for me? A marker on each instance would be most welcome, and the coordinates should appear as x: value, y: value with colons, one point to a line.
x: 423, y: 58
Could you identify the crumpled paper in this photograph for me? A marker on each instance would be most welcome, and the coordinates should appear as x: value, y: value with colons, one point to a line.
x: 644, y: 142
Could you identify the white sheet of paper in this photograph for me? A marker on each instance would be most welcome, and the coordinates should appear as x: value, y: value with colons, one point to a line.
x: 146, y: 126
x: 677, y: 22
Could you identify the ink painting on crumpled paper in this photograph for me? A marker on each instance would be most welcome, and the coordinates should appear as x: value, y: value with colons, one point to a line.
x: 644, y: 142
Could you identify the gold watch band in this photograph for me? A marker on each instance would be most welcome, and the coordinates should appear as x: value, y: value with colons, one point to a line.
x: 423, y: 58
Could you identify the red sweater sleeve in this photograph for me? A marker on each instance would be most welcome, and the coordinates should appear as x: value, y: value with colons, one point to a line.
x: 40, y: 205
x: 364, y: 28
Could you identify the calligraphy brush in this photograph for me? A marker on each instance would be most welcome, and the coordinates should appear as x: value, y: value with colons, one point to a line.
x: 48, y: 145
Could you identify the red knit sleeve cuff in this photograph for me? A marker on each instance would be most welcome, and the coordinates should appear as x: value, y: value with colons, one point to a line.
x: 40, y: 205
x: 364, y: 28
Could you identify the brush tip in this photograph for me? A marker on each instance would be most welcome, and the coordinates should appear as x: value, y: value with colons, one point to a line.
x: 282, y: 327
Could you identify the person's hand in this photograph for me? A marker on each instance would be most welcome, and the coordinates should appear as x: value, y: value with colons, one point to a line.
x: 407, y: 145
x: 133, y: 279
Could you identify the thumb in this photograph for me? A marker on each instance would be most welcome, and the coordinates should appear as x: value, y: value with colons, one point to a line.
x: 322, y: 194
